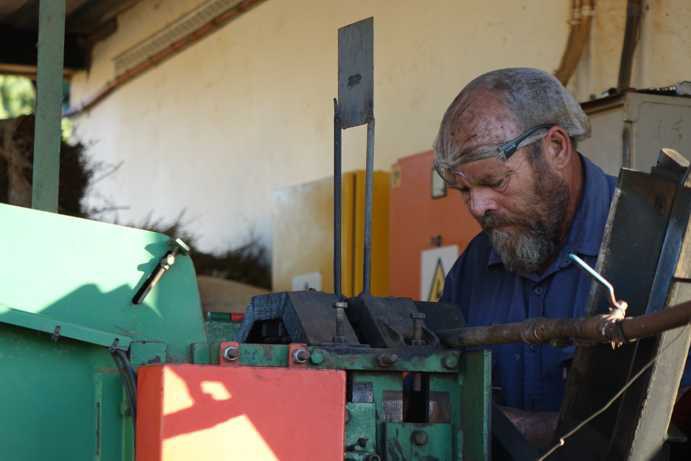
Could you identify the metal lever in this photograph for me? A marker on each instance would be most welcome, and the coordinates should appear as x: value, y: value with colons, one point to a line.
x: 166, y: 262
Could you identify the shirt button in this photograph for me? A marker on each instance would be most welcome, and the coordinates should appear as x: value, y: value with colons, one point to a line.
x: 538, y: 291
x: 532, y: 348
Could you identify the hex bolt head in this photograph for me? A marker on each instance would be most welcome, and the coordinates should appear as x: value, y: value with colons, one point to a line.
x: 387, y: 359
x: 301, y: 355
x: 450, y: 361
x: 231, y: 353
x: 419, y: 438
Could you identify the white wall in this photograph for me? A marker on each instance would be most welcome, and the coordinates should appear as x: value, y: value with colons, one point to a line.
x: 214, y: 129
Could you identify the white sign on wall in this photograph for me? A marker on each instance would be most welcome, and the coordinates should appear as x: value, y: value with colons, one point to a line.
x: 310, y: 280
x: 435, y: 264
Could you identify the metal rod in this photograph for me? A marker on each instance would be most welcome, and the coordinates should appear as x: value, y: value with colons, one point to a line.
x: 369, y: 186
x: 600, y: 328
x: 337, y: 201
x: 595, y: 275
x: 47, y: 135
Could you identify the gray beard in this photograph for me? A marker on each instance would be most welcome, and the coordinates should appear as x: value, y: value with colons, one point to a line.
x: 524, y: 251
x: 536, y: 238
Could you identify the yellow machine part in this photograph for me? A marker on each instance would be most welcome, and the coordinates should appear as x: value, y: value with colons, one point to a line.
x: 303, y: 233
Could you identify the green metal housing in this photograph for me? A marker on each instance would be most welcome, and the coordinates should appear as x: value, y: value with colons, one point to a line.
x: 65, y: 298
x: 66, y: 288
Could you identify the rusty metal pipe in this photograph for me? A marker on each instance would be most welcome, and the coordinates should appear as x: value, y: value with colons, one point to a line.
x: 597, y: 329
x: 579, y: 33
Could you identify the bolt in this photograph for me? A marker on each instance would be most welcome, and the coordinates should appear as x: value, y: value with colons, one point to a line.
x: 300, y: 355
x: 387, y: 359
x: 231, y: 353
x: 450, y: 361
x: 419, y: 438
x: 317, y: 356
x: 418, y: 325
x: 340, y: 307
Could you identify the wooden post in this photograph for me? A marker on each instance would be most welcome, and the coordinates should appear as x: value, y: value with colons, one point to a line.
x: 47, y: 132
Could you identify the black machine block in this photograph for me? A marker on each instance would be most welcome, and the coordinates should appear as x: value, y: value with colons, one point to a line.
x: 305, y: 317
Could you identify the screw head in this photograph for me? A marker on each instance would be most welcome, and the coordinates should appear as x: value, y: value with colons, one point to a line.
x: 231, y: 353
x: 450, y: 361
x: 317, y: 356
x: 419, y: 438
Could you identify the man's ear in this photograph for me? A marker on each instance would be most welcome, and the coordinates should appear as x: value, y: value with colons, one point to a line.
x: 557, y: 148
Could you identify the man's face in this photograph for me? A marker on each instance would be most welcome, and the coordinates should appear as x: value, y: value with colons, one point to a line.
x: 520, y: 203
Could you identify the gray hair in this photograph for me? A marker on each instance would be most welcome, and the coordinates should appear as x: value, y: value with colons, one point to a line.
x: 533, y: 97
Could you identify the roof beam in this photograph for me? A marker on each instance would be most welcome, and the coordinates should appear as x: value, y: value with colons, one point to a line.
x: 23, y: 52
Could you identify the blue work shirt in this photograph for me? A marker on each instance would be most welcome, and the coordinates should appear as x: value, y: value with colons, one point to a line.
x: 532, y: 377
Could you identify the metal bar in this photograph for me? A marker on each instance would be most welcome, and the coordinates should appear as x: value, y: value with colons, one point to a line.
x: 369, y: 172
x: 59, y: 329
x: 47, y: 136
x: 337, y: 201
x: 598, y: 278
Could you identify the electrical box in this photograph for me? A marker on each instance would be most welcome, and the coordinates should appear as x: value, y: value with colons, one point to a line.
x: 303, y: 235
x: 628, y: 130
x: 430, y: 226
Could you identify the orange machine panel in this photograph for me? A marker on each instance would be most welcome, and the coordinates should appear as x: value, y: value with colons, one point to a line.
x: 419, y: 222
x: 212, y: 413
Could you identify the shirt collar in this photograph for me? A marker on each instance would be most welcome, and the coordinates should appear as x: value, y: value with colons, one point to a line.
x: 589, y: 221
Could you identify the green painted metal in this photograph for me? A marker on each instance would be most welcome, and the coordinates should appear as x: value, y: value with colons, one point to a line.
x: 434, y: 441
x: 59, y: 400
x: 88, y: 272
x: 58, y: 329
x: 264, y: 355
x: 148, y: 352
x: 65, y: 399
x: 433, y: 362
x: 360, y: 427
x: 47, y: 132
x: 476, y: 404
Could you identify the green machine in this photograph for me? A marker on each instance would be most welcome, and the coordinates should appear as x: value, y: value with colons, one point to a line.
x: 72, y: 340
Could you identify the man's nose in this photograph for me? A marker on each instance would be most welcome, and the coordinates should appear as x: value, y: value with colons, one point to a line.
x: 480, y: 202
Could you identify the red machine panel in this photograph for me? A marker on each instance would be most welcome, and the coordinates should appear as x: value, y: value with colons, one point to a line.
x: 423, y: 216
x: 210, y: 413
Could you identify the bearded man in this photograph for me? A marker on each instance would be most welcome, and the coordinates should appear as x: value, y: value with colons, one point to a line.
x: 508, y: 143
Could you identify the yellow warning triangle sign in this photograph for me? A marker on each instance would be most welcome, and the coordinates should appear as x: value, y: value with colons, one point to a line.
x: 437, y: 286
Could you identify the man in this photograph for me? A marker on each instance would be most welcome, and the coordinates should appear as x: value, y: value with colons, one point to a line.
x: 508, y: 144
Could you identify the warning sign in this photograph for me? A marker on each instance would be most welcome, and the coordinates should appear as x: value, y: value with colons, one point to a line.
x: 435, y: 264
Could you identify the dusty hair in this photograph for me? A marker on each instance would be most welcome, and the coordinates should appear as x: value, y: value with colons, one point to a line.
x: 533, y: 97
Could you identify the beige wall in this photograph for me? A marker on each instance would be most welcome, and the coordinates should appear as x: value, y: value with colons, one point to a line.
x: 248, y: 109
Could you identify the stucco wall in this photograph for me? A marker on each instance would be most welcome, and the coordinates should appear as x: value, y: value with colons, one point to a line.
x: 248, y: 109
